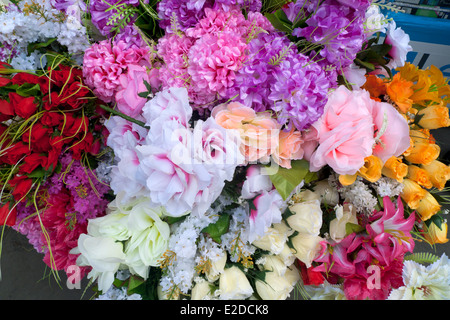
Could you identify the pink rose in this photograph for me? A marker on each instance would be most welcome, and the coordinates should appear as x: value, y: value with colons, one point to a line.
x: 289, y: 148
x: 394, y: 138
x: 131, y: 84
x: 346, y: 132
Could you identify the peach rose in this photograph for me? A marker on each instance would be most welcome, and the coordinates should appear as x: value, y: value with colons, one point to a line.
x: 423, y: 153
x: 259, y: 131
x: 289, y: 148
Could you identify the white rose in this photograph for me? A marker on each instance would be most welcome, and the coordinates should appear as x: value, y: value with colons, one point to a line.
x: 344, y: 214
x: 201, y: 290
x: 286, y: 255
x: 217, y: 267
x: 275, y: 264
x: 234, y: 285
x: 149, y: 236
x: 274, y: 287
x: 104, y: 255
x: 326, y: 193
x: 292, y: 274
x: 307, y: 217
x: 306, y: 247
x: 112, y: 225
x: 273, y: 241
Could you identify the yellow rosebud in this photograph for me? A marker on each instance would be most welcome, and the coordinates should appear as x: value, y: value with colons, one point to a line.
x: 347, y: 179
x: 420, y: 176
x: 438, y: 172
x: 371, y: 170
x: 412, y: 193
x: 423, y: 153
x: 428, y: 206
x: 395, y: 169
x: 433, y: 117
x: 435, y: 235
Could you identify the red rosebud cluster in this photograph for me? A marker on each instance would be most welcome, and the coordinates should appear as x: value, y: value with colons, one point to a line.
x: 42, y: 116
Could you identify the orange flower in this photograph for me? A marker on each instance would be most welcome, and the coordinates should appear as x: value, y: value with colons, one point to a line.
x: 437, y: 78
x: 428, y: 206
x: 424, y: 149
x: 438, y: 172
x: 395, y: 169
x: 433, y: 117
x: 433, y: 234
x: 412, y: 193
x: 400, y: 91
x: 375, y: 86
x: 371, y: 171
x: 420, y: 176
x: 409, y: 72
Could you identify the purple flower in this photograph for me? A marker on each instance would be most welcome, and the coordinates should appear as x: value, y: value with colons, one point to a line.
x: 299, y: 93
x: 247, y: 5
x: 335, y: 25
x: 181, y: 14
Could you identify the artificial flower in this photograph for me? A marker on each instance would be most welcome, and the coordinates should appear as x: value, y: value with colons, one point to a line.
x: 438, y: 173
x: 233, y: 284
x: 434, y: 234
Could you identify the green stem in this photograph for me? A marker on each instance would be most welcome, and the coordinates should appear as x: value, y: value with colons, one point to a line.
x: 124, y: 116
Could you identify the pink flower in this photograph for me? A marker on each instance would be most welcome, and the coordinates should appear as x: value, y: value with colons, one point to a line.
x: 395, y: 139
x: 289, y: 148
x: 268, y: 207
x: 259, y: 132
x: 353, y: 127
x: 130, y: 85
x: 346, y: 132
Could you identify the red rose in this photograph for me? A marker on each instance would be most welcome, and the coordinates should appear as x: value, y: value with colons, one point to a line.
x: 16, y: 152
x: 6, y: 110
x: 23, y: 107
x: 74, y: 95
x: 21, y: 185
x: 51, y: 119
x: 73, y: 126
x: 309, y: 276
x: 51, y: 101
x: 31, y: 162
x: 23, y: 77
x: 7, y: 216
x: 39, y: 137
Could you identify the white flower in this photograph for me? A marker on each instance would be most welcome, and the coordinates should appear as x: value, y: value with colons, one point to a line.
x: 325, y: 291
x: 201, y: 291
x: 355, y: 76
x: 274, y: 287
x: 269, y: 206
x: 306, y: 218
x: 375, y: 20
x: 234, y: 285
x: 399, y: 41
x: 103, y: 254
x: 306, y: 247
x: 424, y: 283
x: 256, y: 182
x: 344, y: 214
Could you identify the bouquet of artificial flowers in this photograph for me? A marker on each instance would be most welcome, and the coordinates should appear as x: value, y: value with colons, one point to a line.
x: 223, y: 149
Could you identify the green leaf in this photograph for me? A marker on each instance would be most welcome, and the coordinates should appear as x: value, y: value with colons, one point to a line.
x: 422, y: 257
x: 217, y: 229
x: 286, y: 180
x: 353, y: 228
x: 28, y: 90
x: 280, y: 21
x: 39, y: 45
x: 134, y: 283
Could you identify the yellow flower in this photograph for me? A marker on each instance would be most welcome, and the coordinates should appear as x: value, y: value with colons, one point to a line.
x: 433, y: 234
x: 433, y: 117
x: 395, y: 169
x: 428, y: 206
x: 420, y: 176
x: 412, y: 193
x: 424, y: 149
x: 371, y: 171
x: 438, y: 172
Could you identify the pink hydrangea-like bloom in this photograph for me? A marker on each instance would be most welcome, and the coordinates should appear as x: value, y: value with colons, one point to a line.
x: 104, y: 62
x: 213, y: 63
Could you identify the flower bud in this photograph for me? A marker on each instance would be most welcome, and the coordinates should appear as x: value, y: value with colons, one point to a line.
x: 234, y: 285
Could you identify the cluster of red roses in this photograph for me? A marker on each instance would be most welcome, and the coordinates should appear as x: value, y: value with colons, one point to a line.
x: 42, y: 116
